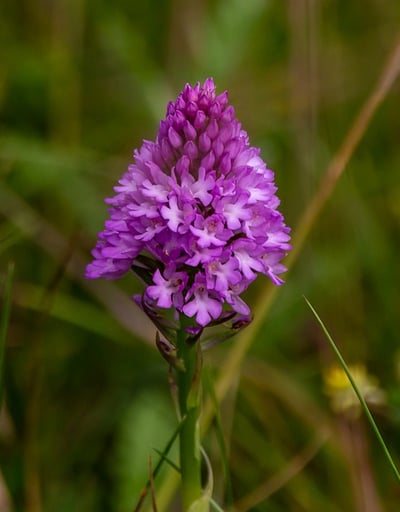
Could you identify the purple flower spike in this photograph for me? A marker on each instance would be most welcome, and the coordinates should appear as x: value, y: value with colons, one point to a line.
x: 202, y: 203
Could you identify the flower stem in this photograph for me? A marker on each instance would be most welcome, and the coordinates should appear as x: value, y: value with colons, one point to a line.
x: 188, y: 381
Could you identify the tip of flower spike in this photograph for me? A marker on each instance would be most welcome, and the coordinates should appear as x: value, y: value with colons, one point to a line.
x: 209, y: 85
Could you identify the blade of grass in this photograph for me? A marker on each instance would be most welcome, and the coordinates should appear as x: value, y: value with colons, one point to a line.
x: 4, y: 319
x: 168, y: 460
x: 357, y: 392
x: 339, y: 162
x: 163, y: 457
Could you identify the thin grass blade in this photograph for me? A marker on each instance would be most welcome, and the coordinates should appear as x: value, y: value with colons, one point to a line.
x: 357, y: 392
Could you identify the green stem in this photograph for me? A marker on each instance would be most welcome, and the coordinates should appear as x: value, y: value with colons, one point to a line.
x: 188, y: 381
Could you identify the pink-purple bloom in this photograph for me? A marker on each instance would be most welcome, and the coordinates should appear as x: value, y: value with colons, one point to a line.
x: 202, y: 204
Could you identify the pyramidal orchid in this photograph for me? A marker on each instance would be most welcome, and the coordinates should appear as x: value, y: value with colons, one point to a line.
x: 196, y: 218
x: 201, y: 202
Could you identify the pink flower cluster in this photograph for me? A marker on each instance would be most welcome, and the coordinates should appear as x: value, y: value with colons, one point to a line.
x: 202, y: 203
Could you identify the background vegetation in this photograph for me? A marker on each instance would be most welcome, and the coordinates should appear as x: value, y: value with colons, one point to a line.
x: 86, y: 397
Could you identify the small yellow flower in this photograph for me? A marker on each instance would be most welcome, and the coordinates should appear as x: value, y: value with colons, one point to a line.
x: 343, y: 398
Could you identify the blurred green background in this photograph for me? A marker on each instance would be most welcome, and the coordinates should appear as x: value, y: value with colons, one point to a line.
x: 86, y: 396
